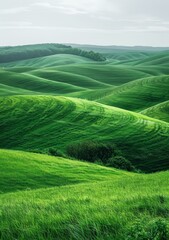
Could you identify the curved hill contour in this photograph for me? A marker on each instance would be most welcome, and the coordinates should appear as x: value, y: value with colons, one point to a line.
x: 139, y: 94
x: 41, y: 122
x: 159, y: 111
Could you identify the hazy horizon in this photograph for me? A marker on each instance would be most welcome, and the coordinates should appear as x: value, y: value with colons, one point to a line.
x: 92, y: 22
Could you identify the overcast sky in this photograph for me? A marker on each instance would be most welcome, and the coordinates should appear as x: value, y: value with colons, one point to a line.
x: 102, y: 22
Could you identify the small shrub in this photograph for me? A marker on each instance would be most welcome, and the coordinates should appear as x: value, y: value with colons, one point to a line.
x: 91, y: 151
x: 121, y: 163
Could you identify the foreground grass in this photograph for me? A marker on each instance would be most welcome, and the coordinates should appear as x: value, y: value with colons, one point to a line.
x: 132, y: 208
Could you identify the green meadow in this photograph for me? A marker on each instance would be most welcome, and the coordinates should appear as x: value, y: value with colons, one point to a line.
x: 54, y: 97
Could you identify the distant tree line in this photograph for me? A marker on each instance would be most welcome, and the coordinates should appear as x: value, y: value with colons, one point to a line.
x: 9, y: 54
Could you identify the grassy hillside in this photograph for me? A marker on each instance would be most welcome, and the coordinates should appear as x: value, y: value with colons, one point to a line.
x: 9, y: 90
x: 130, y: 207
x: 70, y: 78
x: 139, y: 94
x: 159, y: 111
x: 161, y: 58
x: 103, y: 72
x: 46, y: 81
x: 25, y: 171
x: 26, y: 81
x: 42, y: 122
x: 106, y: 73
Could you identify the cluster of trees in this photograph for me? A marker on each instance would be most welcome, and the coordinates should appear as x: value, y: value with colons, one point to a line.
x: 9, y: 54
x: 105, y: 154
x: 91, y: 55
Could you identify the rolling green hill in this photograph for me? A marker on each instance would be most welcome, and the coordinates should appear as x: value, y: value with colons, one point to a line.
x: 43, y: 106
x: 38, y: 85
x: 106, y: 73
x: 158, y: 59
x: 41, y: 122
x: 70, y: 78
x: 9, y: 90
x: 139, y: 94
x: 159, y: 111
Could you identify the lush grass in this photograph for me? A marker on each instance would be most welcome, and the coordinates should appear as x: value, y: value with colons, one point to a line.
x: 139, y: 94
x: 41, y: 122
x: 22, y: 171
x: 159, y: 111
x: 134, y: 207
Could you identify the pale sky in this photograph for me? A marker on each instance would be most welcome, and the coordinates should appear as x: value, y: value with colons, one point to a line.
x: 101, y: 22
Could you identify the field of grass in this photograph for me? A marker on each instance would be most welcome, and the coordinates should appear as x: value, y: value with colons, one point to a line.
x: 51, y: 100
x: 90, y: 202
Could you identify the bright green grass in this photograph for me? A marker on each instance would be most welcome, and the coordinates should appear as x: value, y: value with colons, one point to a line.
x: 41, y: 122
x: 21, y: 171
x: 139, y: 94
x: 159, y: 111
x: 103, y: 210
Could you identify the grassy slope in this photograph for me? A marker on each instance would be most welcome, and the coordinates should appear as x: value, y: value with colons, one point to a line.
x: 161, y: 58
x: 159, y: 111
x: 9, y: 90
x: 25, y: 81
x: 42, y: 122
x: 48, y: 82
x: 104, y: 72
x: 139, y: 94
x: 112, y: 209
x: 70, y: 78
x: 22, y: 171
